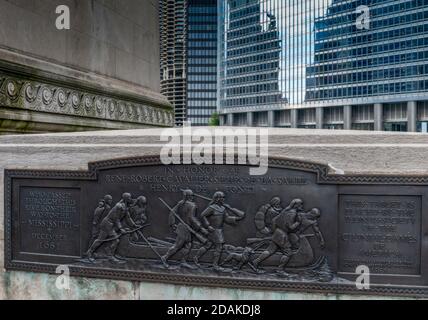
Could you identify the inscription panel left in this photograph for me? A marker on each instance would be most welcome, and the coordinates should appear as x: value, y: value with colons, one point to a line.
x: 49, y: 221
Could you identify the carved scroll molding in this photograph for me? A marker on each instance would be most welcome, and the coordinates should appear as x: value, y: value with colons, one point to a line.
x: 43, y: 96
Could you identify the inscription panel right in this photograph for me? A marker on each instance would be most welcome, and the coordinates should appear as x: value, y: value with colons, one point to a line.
x: 381, y: 232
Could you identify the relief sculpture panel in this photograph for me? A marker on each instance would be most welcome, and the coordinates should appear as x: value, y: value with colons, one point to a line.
x: 294, y: 228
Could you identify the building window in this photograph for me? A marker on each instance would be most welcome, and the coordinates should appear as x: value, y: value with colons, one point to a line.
x: 422, y: 126
x: 363, y: 126
x: 307, y: 126
x: 395, y: 112
x: 261, y: 119
x: 363, y: 113
x: 333, y: 126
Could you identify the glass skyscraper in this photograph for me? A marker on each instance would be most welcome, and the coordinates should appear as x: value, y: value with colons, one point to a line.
x: 353, y: 64
x: 189, y: 58
x: 201, y: 61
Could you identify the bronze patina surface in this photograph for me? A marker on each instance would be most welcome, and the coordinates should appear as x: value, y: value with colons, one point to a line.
x: 297, y: 227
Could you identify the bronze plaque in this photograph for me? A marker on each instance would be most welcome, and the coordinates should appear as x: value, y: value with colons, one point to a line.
x: 295, y: 228
x: 381, y: 232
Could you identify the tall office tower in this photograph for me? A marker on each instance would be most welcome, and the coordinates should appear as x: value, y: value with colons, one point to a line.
x: 173, y: 34
x: 201, y: 61
x: 343, y: 64
x: 251, y: 57
x: 189, y: 58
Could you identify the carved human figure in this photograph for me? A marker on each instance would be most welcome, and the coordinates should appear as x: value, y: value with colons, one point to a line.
x: 104, y: 207
x: 265, y: 216
x: 138, y: 214
x: 284, y: 235
x: 186, y: 209
x: 310, y: 220
x: 98, y: 213
x: 213, y: 219
x: 111, y: 228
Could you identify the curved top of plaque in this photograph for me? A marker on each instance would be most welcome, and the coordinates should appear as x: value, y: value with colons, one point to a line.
x: 325, y: 173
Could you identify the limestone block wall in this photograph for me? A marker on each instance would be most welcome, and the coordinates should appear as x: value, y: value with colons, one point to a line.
x: 352, y: 152
x: 103, y: 73
x: 117, y: 39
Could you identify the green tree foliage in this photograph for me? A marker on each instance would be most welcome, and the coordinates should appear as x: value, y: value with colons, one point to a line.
x: 215, y: 120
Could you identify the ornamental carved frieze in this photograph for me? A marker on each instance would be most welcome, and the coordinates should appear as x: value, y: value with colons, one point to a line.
x: 16, y: 92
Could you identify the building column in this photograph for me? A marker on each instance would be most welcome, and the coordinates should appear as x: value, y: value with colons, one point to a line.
x: 319, y: 117
x: 250, y: 119
x: 378, y: 117
x: 230, y: 119
x: 222, y: 120
x: 347, y: 117
x: 271, y: 119
x: 412, y: 116
x: 294, y: 117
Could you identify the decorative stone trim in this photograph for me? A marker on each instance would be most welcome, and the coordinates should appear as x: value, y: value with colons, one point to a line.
x: 17, y: 92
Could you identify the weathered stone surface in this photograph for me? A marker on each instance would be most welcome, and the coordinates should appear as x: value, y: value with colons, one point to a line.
x: 3, y: 284
x: 2, y: 225
x: 353, y: 152
x: 24, y: 286
x: 110, y: 56
x: 1, y: 255
x: 150, y: 291
x: 84, y: 48
x: 103, y: 26
x: 42, y: 99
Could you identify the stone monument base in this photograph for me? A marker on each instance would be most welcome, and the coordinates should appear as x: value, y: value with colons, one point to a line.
x: 344, y: 152
x: 37, y: 96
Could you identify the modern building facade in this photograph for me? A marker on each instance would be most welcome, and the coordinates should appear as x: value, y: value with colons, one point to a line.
x: 333, y: 64
x: 201, y: 61
x: 173, y: 34
x: 189, y: 58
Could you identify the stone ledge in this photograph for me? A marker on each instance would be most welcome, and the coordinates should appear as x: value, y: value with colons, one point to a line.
x: 87, y: 100
x: 351, y: 151
x: 23, y: 64
x: 27, y: 121
x: 23, y: 94
x: 276, y: 136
